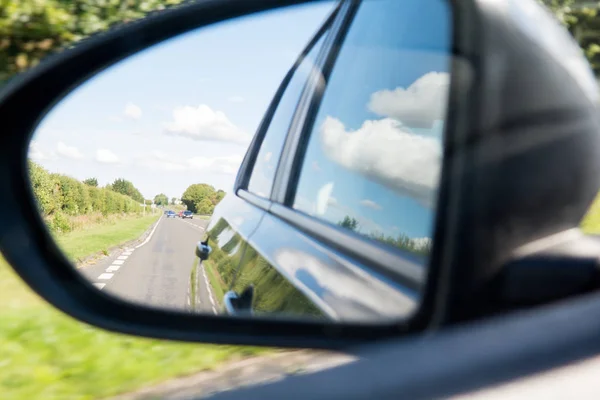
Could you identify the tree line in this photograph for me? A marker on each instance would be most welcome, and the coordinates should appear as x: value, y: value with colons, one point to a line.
x: 60, y: 196
x: 31, y: 30
x: 201, y: 198
x: 401, y: 241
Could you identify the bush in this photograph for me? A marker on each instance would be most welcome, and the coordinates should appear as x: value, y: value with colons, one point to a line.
x: 60, y: 197
x: 60, y: 223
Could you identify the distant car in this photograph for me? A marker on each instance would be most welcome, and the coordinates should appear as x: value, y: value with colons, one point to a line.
x: 187, y: 214
x: 180, y: 214
x: 171, y: 214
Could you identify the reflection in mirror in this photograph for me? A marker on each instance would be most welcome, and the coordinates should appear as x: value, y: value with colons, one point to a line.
x: 133, y: 171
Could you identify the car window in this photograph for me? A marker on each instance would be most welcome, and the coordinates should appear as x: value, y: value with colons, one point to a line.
x: 263, y: 174
x: 374, y: 154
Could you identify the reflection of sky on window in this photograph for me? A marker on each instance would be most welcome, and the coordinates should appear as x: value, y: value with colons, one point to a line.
x: 378, y: 61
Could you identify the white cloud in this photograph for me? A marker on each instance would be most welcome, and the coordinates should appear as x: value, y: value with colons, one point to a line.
x: 387, y: 152
x: 68, y: 151
x: 203, y: 123
x: 35, y: 153
x: 220, y: 165
x: 236, y: 99
x: 370, y: 204
x: 158, y: 160
x: 422, y: 242
x: 106, y: 156
x: 132, y: 111
x: 419, y: 105
x: 323, y: 197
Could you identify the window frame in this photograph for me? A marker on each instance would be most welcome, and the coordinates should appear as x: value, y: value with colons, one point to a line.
x: 407, y: 271
x: 247, y: 166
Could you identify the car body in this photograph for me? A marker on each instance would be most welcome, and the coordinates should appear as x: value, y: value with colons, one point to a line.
x: 170, y: 214
x: 259, y: 222
x: 187, y: 214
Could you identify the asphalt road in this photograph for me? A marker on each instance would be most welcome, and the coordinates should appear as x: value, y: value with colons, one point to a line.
x: 157, y: 271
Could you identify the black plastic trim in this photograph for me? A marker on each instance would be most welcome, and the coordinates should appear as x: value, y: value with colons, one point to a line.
x: 289, y: 173
x: 245, y: 170
x: 254, y: 199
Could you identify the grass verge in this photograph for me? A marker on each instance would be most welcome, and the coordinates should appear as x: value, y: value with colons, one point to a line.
x: 47, y: 355
x: 215, y: 281
x: 102, y: 236
x: 591, y: 221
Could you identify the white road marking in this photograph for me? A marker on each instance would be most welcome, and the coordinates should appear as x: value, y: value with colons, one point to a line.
x: 113, y: 268
x: 210, y: 297
x: 122, y: 257
x: 150, y: 235
x: 127, y: 253
x: 194, y: 225
x: 105, y: 276
x: 118, y: 262
x: 100, y: 285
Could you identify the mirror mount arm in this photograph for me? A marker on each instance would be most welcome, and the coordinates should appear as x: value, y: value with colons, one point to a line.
x: 569, y: 266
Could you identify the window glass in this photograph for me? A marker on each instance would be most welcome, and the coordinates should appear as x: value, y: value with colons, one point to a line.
x: 263, y: 174
x: 373, y: 160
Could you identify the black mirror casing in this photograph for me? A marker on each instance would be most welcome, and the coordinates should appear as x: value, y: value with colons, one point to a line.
x: 515, y: 110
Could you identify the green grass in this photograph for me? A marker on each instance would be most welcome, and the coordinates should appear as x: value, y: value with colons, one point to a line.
x: 47, y: 355
x: 591, y: 221
x: 100, y: 237
x: 216, y: 283
x: 202, y: 216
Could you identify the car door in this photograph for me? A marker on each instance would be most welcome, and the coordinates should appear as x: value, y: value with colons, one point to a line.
x: 348, y: 233
x: 236, y: 217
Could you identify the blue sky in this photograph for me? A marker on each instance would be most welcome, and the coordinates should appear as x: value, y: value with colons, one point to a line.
x: 140, y: 119
x: 385, y: 176
x: 184, y: 112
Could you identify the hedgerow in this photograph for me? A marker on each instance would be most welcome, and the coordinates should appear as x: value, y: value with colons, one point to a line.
x: 60, y: 197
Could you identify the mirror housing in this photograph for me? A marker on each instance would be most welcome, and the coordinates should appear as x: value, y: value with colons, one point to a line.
x: 203, y: 251
x: 518, y: 108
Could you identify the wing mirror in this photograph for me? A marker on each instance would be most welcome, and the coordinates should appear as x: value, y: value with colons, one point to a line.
x: 486, y: 142
x: 203, y: 251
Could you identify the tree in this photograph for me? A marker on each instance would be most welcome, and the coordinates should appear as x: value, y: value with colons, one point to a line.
x: 125, y: 187
x: 195, y: 194
x: 205, y: 207
x: 581, y: 18
x: 173, y: 200
x: 91, y: 182
x: 148, y: 202
x: 349, y: 223
x: 219, y: 196
x: 161, y: 200
x: 30, y: 29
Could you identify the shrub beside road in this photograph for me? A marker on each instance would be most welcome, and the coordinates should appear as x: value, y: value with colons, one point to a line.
x: 100, y: 237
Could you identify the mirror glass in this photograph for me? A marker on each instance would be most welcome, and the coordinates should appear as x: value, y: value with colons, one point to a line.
x: 134, y: 171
